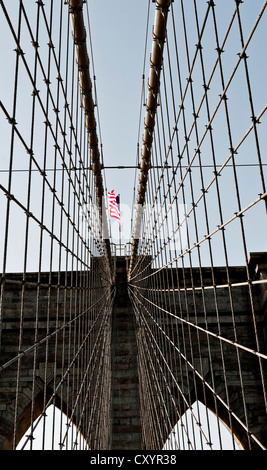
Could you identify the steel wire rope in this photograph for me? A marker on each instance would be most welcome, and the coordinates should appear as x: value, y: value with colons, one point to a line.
x: 151, y: 252
x: 67, y: 372
x: 95, y: 90
x: 221, y: 97
x: 142, y: 99
x: 47, y: 81
x: 219, y: 398
x: 164, y: 360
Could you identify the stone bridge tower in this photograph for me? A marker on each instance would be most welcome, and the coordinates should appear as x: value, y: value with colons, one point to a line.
x: 127, y: 384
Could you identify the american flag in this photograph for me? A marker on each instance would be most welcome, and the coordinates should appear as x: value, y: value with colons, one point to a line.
x: 113, y: 205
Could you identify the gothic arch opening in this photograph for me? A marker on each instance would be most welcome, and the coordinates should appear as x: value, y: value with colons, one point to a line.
x: 200, y: 429
x: 54, y: 431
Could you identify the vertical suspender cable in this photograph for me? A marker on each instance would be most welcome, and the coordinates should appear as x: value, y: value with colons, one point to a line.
x: 79, y: 36
x: 159, y: 32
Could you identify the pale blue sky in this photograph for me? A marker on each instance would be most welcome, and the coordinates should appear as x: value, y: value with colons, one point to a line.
x: 119, y: 68
x: 118, y: 38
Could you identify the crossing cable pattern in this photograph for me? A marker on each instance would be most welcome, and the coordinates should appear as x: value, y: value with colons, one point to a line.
x: 57, y: 261
x: 200, y: 213
x: 201, y: 195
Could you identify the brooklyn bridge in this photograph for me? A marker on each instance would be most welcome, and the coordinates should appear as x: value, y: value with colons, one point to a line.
x: 137, y: 323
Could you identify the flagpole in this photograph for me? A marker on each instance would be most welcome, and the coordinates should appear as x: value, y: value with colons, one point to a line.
x: 119, y: 223
x: 114, y: 211
x: 120, y: 236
